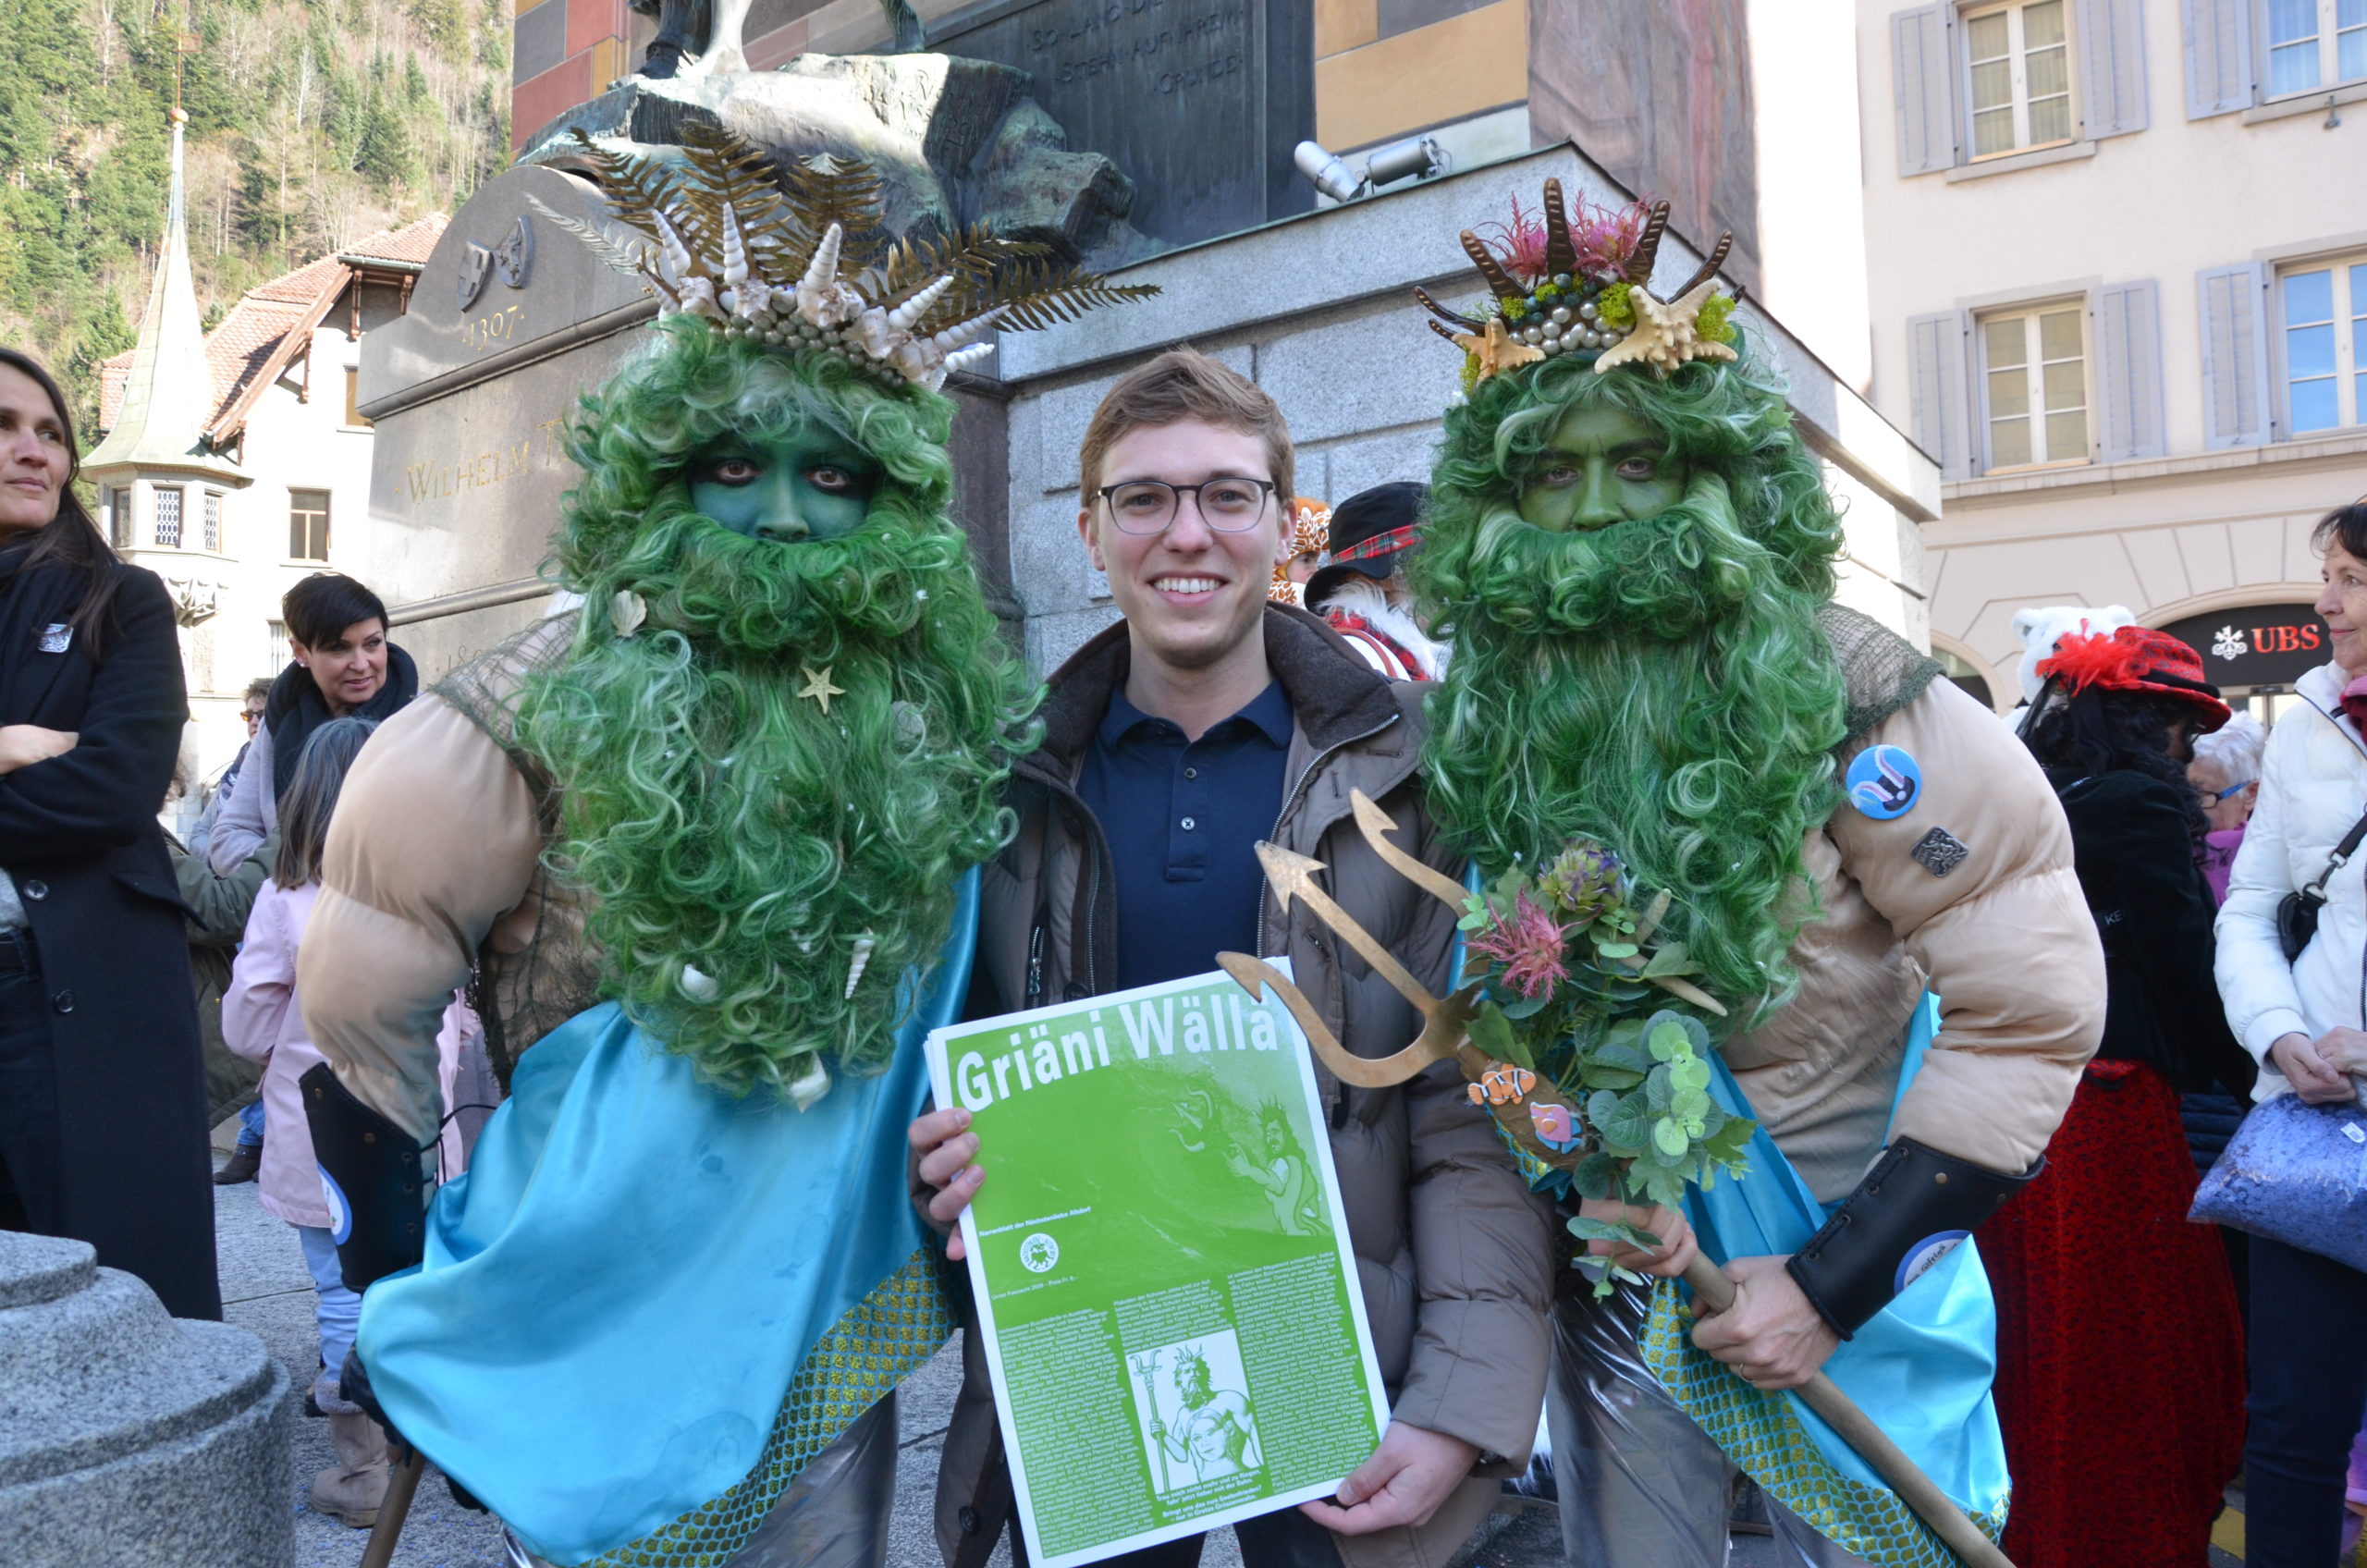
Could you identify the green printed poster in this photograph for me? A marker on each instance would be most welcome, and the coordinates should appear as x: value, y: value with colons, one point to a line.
x: 1165, y: 1288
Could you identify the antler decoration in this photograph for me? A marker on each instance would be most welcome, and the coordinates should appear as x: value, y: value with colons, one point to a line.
x: 793, y: 255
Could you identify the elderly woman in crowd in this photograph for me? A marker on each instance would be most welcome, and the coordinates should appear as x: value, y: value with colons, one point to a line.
x: 2301, y: 1018
x: 2226, y: 773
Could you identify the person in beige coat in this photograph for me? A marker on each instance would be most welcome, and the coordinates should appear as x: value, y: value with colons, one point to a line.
x: 1206, y: 685
x: 1635, y: 558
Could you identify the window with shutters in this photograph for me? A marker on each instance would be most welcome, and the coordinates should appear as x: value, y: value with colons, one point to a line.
x: 2034, y: 386
x: 353, y: 400
x: 2018, y: 77
x: 213, y: 534
x: 167, y: 516
x: 118, y: 510
x: 2323, y: 341
x: 275, y: 646
x: 308, y: 525
x: 2314, y: 43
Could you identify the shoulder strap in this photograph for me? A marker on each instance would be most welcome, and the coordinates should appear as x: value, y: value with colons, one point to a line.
x: 1883, y: 672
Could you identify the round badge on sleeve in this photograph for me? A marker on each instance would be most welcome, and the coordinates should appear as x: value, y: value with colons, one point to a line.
x: 1885, y: 783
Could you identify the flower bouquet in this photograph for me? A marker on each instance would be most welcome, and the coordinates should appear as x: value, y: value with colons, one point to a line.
x: 1589, y: 1007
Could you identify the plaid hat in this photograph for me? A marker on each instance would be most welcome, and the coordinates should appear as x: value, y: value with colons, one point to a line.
x: 2135, y: 658
x: 1371, y: 531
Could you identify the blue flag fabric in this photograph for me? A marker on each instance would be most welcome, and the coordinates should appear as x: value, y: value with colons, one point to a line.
x: 619, y: 1294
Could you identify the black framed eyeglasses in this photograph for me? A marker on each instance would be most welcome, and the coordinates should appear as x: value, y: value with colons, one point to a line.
x: 2214, y: 797
x: 1229, y: 505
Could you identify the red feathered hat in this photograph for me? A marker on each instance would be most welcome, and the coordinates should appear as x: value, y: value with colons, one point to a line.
x: 2135, y: 658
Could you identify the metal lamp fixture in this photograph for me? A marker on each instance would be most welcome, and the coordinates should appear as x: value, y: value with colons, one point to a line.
x: 1419, y: 156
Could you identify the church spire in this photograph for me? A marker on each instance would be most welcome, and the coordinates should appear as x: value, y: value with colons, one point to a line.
x: 168, y: 398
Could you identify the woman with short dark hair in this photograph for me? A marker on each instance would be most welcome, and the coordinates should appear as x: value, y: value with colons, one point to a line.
x: 101, y: 1089
x: 2301, y: 1017
x: 342, y: 665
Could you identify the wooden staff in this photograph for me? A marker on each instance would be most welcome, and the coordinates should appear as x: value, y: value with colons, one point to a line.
x: 401, y: 1482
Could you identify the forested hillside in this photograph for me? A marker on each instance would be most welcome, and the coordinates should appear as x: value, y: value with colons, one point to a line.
x: 312, y: 124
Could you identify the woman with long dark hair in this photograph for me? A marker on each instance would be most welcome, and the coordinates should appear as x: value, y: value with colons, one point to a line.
x: 101, y: 1082
x: 2119, y: 1367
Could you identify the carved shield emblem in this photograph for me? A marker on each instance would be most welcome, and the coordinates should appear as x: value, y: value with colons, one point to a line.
x: 475, y: 262
x: 515, y: 255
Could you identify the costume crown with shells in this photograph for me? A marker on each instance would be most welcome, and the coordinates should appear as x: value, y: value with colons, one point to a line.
x: 795, y: 256
x: 1573, y: 280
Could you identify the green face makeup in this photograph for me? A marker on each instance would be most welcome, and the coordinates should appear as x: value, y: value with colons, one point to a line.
x: 1602, y: 466
x: 806, y: 486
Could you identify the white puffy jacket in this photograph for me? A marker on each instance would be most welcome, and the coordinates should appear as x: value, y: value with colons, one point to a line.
x: 2313, y: 789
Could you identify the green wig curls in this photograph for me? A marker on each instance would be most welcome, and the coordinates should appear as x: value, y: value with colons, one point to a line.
x: 762, y: 871
x: 1659, y: 684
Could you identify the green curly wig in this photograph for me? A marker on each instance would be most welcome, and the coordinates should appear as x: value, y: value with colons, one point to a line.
x: 1660, y: 685
x: 734, y: 842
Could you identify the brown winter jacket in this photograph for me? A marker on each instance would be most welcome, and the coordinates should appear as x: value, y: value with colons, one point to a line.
x: 1453, y: 1252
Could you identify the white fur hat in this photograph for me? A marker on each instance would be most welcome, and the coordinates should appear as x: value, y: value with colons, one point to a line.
x: 2041, y: 627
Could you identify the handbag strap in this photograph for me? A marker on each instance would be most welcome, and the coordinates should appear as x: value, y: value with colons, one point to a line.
x: 2337, y: 861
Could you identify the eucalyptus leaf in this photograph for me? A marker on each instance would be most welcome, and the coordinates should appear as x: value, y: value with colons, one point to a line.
x: 1527, y: 1007
x: 1657, y: 1092
x: 1669, y: 959
x: 1669, y: 1139
x: 1603, y: 1075
x: 1615, y: 949
x: 1595, y: 1175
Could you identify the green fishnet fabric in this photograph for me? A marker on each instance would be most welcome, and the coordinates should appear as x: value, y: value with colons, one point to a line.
x: 1884, y: 671
x: 1761, y: 1433
x: 900, y: 1325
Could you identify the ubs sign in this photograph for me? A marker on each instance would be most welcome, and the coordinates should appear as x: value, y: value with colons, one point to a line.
x: 2258, y: 645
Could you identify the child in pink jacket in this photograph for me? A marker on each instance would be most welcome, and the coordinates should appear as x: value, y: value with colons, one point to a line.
x: 261, y: 1022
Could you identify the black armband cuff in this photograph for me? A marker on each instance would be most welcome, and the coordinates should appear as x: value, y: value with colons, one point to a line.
x: 370, y: 1174
x: 1910, y: 1211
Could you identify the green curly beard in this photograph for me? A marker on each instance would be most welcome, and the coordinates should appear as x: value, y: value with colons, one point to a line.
x: 716, y: 823
x: 1660, y: 685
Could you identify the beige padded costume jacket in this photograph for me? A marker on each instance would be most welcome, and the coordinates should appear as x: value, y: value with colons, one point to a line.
x: 2002, y: 937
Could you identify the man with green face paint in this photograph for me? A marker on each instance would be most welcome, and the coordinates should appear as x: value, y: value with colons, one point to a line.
x: 808, y: 484
x: 705, y: 850
x: 1870, y: 881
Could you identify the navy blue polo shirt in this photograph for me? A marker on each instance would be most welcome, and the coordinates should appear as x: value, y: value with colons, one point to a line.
x: 1183, y: 820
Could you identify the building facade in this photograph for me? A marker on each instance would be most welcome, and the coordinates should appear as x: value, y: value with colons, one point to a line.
x: 2117, y: 266
x: 236, y: 462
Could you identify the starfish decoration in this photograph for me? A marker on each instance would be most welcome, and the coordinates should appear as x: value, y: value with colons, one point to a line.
x: 1664, y: 336
x: 1495, y: 349
x: 819, y: 687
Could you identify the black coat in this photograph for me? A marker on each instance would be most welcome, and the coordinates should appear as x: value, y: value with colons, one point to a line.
x: 2133, y: 844
x: 79, y: 833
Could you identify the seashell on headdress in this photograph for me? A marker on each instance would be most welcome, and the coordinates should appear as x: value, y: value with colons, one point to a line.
x: 1573, y: 280
x: 794, y: 256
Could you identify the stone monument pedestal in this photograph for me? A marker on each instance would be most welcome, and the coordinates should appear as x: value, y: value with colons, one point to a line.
x: 129, y: 1437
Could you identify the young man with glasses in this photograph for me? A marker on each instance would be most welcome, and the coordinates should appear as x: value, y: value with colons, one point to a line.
x: 1208, y: 718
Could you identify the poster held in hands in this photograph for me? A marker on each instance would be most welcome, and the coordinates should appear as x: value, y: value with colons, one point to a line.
x: 1164, y: 1283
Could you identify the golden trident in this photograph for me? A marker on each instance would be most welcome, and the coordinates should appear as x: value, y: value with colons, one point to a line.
x: 1506, y: 1091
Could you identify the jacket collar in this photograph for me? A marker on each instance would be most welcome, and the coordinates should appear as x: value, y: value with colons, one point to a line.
x: 1334, y: 694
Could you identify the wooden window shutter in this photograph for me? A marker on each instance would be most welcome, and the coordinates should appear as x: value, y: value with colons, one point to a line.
x: 2235, y: 354
x: 2218, y: 57
x: 2128, y: 372
x: 1935, y: 379
x: 1925, y: 86
x: 2112, y: 56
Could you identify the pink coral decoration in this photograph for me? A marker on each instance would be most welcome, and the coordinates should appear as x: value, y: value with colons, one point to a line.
x: 1527, y: 947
